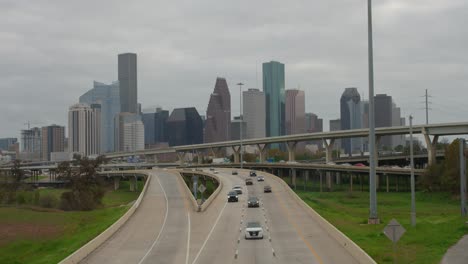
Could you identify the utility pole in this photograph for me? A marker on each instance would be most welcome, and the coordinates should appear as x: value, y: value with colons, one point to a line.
x: 427, y: 109
x: 461, y: 143
x: 373, y: 218
x: 413, y: 188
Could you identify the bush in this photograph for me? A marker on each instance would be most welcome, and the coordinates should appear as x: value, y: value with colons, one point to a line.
x: 20, y: 198
x: 48, y: 201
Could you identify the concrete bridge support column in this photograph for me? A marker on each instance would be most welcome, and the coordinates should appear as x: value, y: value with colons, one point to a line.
x: 236, y: 150
x: 132, y: 181
x: 116, y: 183
x: 293, y: 178
x: 329, y: 181
x: 181, y: 156
x: 351, y: 182
x: 387, y: 182
x: 431, y: 147
x: 291, y: 146
x: 329, y: 149
x: 338, y: 178
x: 215, y: 152
x: 321, y: 180
x: 306, y: 179
x: 261, y: 152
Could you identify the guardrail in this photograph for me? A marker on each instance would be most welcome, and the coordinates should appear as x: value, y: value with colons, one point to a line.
x: 89, y: 247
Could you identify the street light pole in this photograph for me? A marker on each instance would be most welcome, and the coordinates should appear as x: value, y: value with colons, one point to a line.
x: 241, y: 121
x: 461, y: 143
x: 373, y: 218
x: 413, y: 195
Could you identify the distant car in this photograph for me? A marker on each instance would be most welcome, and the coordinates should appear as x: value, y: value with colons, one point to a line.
x: 233, y: 196
x: 215, y: 172
x: 235, y: 173
x: 396, y: 167
x: 212, y: 169
x: 260, y: 178
x: 267, y: 189
x: 360, y: 165
x: 237, y: 189
x: 248, y: 181
x: 331, y: 163
x: 253, y: 174
x: 346, y: 164
x: 407, y: 167
x: 253, y: 202
x: 253, y: 230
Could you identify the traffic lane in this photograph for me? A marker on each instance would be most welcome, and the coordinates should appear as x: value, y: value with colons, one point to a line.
x: 255, y: 250
x: 224, y: 223
x: 172, y: 244
x: 135, y: 237
x: 289, y: 216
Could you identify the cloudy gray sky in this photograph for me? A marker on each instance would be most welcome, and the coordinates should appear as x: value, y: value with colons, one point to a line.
x: 51, y: 51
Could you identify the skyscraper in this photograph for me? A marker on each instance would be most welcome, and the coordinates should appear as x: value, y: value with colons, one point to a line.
x: 185, y: 127
x: 129, y: 132
x: 31, y: 144
x: 218, y: 113
x: 236, y: 127
x: 295, y: 112
x: 313, y: 124
x: 84, y: 129
x: 107, y: 95
x: 127, y: 72
x: 351, y: 118
x: 155, y: 127
x: 5, y: 143
x: 254, y: 113
x: 335, y: 125
x: 273, y: 87
x: 383, y: 117
x: 53, y: 140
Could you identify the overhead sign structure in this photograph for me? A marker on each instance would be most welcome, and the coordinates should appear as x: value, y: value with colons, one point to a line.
x: 201, y: 188
x: 394, y: 231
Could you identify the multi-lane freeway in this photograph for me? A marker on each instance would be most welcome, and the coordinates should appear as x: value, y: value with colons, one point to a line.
x: 165, y: 228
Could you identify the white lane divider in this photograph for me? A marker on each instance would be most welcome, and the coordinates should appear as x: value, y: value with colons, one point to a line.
x: 209, y: 234
x: 162, y: 228
x: 188, y: 241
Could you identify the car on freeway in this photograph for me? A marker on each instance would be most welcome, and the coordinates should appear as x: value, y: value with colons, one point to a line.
x: 235, y: 173
x: 267, y: 188
x: 237, y: 189
x: 215, y: 172
x: 345, y: 164
x: 253, y: 173
x: 233, y: 196
x: 248, y: 181
x: 212, y: 169
x: 260, y: 178
x: 253, y: 230
x: 253, y: 202
x: 360, y: 165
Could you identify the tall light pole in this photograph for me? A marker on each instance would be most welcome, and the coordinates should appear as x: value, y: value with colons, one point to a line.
x: 373, y: 218
x: 241, y: 121
x: 413, y: 188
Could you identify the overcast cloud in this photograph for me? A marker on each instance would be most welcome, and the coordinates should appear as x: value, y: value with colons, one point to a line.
x: 51, y: 51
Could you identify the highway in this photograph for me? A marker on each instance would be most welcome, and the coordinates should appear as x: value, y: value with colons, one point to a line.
x: 165, y: 228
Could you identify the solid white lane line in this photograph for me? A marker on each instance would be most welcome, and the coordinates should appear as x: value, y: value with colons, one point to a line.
x: 188, y: 241
x: 162, y: 228
x: 209, y: 235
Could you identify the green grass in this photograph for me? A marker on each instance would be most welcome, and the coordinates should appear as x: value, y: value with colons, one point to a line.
x: 439, y: 224
x: 70, y: 230
x: 209, y: 184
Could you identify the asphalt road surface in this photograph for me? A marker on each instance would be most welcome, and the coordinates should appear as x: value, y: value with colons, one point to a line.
x: 165, y: 229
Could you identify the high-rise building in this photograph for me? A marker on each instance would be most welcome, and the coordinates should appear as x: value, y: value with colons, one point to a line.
x: 129, y: 132
x: 273, y: 87
x: 53, y: 140
x: 335, y: 125
x: 127, y: 73
x: 383, y: 117
x: 236, y: 128
x: 218, y: 113
x: 84, y: 129
x: 254, y: 113
x: 155, y: 127
x: 185, y: 127
x: 313, y: 124
x: 5, y: 143
x: 397, y: 120
x: 351, y: 118
x: 31, y: 144
x: 295, y: 112
x: 107, y: 95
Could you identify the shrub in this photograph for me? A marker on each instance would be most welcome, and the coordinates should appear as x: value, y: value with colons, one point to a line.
x: 48, y: 201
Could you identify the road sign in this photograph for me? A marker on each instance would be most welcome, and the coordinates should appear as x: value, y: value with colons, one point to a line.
x: 201, y: 188
x: 394, y: 231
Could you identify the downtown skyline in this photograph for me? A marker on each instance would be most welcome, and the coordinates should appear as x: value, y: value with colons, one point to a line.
x: 173, y: 76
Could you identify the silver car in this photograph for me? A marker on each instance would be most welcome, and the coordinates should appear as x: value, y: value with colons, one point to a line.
x: 253, y: 230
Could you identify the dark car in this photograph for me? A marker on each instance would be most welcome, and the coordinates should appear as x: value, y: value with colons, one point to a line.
x: 248, y: 182
x: 253, y: 202
x: 253, y: 174
x: 211, y: 169
x: 235, y: 173
x: 267, y: 189
x: 233, y: 197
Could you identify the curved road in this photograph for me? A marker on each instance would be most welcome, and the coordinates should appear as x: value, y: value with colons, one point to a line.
x: 165, y: 229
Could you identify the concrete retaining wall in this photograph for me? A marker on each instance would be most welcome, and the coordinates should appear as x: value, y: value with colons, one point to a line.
x: 85, y: 250
x: 360, y: 255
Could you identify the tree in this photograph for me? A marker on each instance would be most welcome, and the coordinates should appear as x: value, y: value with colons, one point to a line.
x: 86, y: 189
x: 18, y: 175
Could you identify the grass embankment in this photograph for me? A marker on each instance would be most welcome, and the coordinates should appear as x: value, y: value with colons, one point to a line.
x: 37, y: 235
x: 209, y: 183
x: 439, y: 224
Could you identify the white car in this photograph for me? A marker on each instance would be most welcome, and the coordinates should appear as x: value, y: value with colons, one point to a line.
x: 237, y: 189
x: 215, y: 172
x: 260, y: 178
x: 253, y: 230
